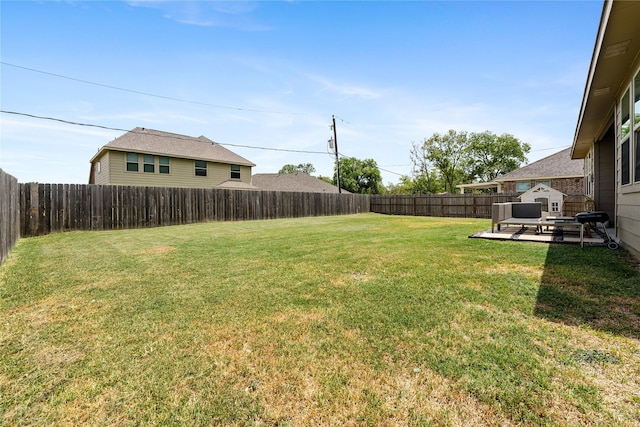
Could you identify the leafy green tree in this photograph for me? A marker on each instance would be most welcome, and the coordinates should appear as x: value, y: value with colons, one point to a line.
x: 430, y: 183
x: 409, y: 185
x: 492, y: 155
x: 404, y: 186
x: 302, y: 167
x: 446, y: 155
x: 359, y: 176
x: 425, y: 179
x: 444, y: 161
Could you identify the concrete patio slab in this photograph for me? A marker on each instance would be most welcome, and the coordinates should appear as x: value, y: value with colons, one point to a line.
x: 549, y: 235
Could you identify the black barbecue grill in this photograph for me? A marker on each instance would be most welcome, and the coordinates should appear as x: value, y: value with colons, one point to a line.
x: 595, y: 218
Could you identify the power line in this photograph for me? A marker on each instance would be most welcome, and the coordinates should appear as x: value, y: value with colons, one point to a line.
x: 342, y: 120
x: 62, y: 121
x: 552, y: 148
x: 206, y: 104
x: 395, y: 173
x: 68, y: 122
x: 386, y: 170
x: 173, y: 136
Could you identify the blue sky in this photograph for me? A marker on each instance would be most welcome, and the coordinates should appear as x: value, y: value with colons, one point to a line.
x: 271, y: 74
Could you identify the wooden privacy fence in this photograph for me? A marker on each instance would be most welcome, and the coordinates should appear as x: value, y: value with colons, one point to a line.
x: 47, y: 208
x: 443, y: 205
x: 9, y: 214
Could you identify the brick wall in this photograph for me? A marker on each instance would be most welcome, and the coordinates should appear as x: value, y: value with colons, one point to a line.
x: 568, y: 186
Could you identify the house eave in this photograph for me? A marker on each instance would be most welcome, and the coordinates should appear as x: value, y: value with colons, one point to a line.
x: 612, y: 60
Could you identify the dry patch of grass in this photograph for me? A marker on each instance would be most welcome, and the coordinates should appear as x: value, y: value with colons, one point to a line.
x: 158, y: 250
x: 501, y: 268
x: 339, y: 388
x: 350, y: 279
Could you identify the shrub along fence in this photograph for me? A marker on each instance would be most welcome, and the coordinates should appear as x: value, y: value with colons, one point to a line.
x: 9, y: 213
x: 47, y: 208
x: 443, y: 205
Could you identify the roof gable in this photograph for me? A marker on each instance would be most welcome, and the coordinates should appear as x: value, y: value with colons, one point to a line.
x: 541, y: 190
x: 558, y: 165
x: 161, y: 143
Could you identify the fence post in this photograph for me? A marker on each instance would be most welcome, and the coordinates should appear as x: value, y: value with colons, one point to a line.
x: 9, y: 213
x: 34, y: 211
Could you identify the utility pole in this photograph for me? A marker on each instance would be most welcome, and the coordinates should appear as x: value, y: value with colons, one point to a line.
x: 335, y: 145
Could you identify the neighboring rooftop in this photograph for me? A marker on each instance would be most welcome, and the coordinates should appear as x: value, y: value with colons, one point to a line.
x: 299, y: 181
x: 150, y: 141
x: 232, y: 184
x: 558, y: 165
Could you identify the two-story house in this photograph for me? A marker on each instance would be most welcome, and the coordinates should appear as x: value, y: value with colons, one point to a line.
x: 147, y: 157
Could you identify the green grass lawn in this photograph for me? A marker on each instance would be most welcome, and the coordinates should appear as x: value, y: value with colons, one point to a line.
x: 352, y: 320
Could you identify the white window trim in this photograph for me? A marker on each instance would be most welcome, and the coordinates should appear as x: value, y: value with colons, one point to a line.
x: 632, y: 186
x: 205, y: 168
x: 239, y: 172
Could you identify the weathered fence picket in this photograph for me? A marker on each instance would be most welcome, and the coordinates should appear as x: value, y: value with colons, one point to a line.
x: 9, y: 213
x: 48, y: 208
x: 442, y: 205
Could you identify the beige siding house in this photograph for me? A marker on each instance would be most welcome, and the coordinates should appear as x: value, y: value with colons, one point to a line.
x: 147, y: 157
x: 608, y: 131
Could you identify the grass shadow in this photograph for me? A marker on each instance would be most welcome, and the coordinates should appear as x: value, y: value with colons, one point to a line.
x: 592, y: 286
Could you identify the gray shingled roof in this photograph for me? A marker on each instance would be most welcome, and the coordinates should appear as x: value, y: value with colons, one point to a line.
x: 149, y: 141
x: 236, y: 185
x: 558, y: 165
x: 300, y: 181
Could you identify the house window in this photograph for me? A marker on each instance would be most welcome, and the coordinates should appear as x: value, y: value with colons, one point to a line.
x: 555, y: 207
x: 624, y: 138
x: 523, y: 186
x: 636, y: 124
x: 132, y: 162
x: 201, y: 168
x: 636, y: 99
x: 163, y: 163
x: 637, y: 171
x: 235, y: 172
x: 547, y: 183
x: 625, y: 123
x: 98, y: 167
x: 148, y: 163
x: 624, y: 167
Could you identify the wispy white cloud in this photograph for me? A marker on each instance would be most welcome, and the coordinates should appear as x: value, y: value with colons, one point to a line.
x: 345, y: 89
x: 143, y: 118
x: 23, y: 129
x: 229, y: 14
x: 49, y: 151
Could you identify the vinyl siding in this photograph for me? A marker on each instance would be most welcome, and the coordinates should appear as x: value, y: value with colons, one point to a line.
x: 102, y: 177
x: 628, y: 221
x: 181, y: 173
x: 605, y: 176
